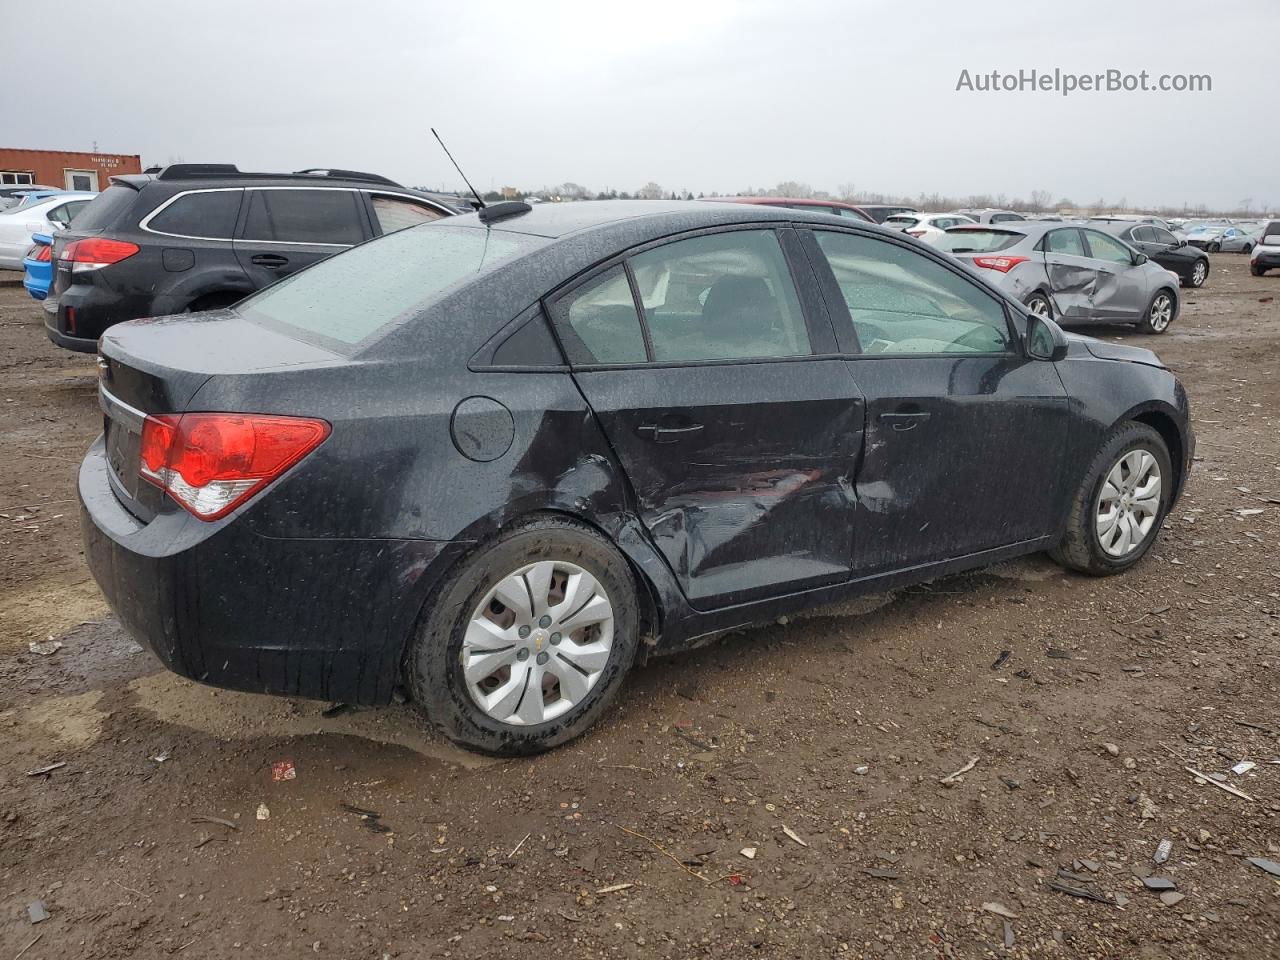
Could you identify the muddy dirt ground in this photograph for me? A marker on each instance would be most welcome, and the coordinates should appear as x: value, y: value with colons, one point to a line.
x: 818, y: 743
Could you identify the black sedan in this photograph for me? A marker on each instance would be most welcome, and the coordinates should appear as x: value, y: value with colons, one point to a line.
x: 496, y: 460
x: 1190, y: 263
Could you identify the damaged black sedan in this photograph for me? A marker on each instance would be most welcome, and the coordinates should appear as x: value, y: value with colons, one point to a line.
x: 494, y: 461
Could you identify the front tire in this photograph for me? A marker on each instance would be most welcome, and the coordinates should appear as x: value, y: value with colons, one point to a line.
x: 1160, y: 313
x: 1215, y: 247
x: 1199, y: 274
x: 526, y: 643
x: 1119, y: 508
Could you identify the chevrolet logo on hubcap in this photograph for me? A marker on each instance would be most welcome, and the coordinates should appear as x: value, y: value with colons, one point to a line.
x: 539, y: 639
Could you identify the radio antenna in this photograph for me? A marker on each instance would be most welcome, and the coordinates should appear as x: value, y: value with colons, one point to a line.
x: 458, y: 168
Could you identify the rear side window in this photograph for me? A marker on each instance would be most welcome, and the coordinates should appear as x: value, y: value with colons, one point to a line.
x: 902, y: 302
x: 395, y: 213
x: 207, y: 214
x: 1066, y: 242
x: 304, y: 216
x: 1005, y: 217
x: 724, y: 296
x: 601, y: 320
x: 969, y: 240
x: 104, y: 209
x: 350, y: 297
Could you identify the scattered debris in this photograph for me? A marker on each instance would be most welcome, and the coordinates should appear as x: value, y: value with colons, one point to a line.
x: 373, y: 820
x: 264, y: 813
x: 862, y: 771
x: 334, y: 709
x: 1000, y: 910
x: 793, y: 835
x: 45, y: 771
x: 161, y: 757
x: 201, y: 818
x: 882, y: 873
x: 1112, y: 749
x: 615, y: 888
x: 1004, y: 655
x: 1009, y: 782
x: 1008, y: 935
x: 951, y: 778
x: 283, y: 770
x: 1220, y: 785
x: 34, y: 941
x: 1057, y: 654
x: 1163, y: 849
x: 512, y: 854
x: 1171, y: 897
x: 45, y: 648
x: 36, y: 912
x: 1159, y: 883
x: 1081, y: 892
x: 1243, y: 767
x: 1252, y: 726
x: 1270, y: 866
x: 748, y: 852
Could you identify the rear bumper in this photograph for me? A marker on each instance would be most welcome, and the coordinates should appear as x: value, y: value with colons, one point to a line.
x: 215, y: 602
x: 79, y: 344
x: 1267, y: 259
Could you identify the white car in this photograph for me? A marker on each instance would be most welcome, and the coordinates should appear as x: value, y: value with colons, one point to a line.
x: 19, y: 223
x: 926, y: 226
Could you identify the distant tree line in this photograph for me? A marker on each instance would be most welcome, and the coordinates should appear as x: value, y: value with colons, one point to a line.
x: 1038, y: 201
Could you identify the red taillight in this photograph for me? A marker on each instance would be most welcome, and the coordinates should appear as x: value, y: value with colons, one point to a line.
x: 39, y: 253
x: 915, y: 233
x: 94, y: 253
x: 1003, y: 264
x: 211, y: 463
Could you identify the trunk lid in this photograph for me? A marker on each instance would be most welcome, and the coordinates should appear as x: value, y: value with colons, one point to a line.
x: 159, y: 365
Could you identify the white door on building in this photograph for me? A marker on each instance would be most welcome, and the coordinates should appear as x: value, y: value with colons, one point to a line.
x: 81, y: 179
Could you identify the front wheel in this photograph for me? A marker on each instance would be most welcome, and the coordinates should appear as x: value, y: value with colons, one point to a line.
x: 1159, y: 313
x: 1199, y: 274
x: 1120, y: 506
x: 524, y: 646
x: 1215, y: 247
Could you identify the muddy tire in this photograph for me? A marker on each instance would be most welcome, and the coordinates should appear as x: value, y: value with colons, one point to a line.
x: 527, y: 641
x: 1258, y: 271
x: 1161, y: 312
x: 1116, y: 514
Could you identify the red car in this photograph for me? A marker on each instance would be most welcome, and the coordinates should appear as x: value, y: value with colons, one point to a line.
x: 833, y: 207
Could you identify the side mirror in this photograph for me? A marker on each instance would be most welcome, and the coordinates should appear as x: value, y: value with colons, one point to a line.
x: 1139, y: 259
x: 1045, y: 339
x: 1182, y: 242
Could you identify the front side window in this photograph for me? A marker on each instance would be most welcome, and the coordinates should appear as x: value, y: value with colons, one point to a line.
x: 396, y: 213
x: 304, y: 216
x: 902, y: 302
x: 1108, y: 248
x: 209, y: 215
x: 723, y: 296
x: 1066, y: 242
x: 603, y: 325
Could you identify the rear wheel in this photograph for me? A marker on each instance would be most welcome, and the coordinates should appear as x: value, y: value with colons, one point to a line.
x: 1257, y: 271
x: 524, y: 646
x: 1247, y: 249
x: 1038, y: 305
x: 1121, y: 505
x: 214, y: 301
x: 1199, y: 274
x: 1159, y: 313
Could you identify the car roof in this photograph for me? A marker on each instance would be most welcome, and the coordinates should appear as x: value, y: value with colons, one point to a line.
x: 787, y: 201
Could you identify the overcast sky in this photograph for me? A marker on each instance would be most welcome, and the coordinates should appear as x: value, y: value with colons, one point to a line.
x: 701, y: 95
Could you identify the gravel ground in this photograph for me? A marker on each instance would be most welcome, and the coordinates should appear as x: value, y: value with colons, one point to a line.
x: 777, y: 794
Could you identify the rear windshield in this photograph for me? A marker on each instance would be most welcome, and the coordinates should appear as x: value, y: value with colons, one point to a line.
x: 901, y: 220
x: 105, y: 208
x: 968, y: 240
x: 1271, y: 235
x: 353, y: 295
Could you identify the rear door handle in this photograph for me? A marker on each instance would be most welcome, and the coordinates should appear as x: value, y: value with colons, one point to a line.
x: 903, y: 422
x: 271, y: 260
x: 659, y: 434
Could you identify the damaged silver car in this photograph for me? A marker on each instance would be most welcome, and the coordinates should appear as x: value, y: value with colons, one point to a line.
x: 1069, y: 273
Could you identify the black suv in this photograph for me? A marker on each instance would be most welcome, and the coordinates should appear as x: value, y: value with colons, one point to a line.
x: 192, y: 237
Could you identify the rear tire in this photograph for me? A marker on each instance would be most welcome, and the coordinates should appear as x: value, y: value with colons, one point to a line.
x: 1247, y: 249
x: 1039, y: 305
x: 1257, y: 271
x: 1161, y: 312
x: 214, y: 301
x: 475, y: 659
x: 1089, y: 545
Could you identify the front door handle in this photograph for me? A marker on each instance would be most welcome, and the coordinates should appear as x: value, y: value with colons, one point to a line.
x: 269, y: 260
x: 903, y: 422
x: 660, y: 434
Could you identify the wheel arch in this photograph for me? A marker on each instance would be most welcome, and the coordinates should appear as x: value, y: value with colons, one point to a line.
x: 1163, y: 422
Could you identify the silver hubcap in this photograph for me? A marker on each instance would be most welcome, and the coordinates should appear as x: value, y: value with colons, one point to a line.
x: 537, y: 643
x: 1161, y: 312
x: 1039, y: 307
x: 1199, y: 273
x: 1128, y: 503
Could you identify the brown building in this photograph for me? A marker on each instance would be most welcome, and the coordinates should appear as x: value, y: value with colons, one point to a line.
x: 61, y: 168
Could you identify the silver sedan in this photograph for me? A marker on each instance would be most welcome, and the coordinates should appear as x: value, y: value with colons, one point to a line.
x: 1072, y: 274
